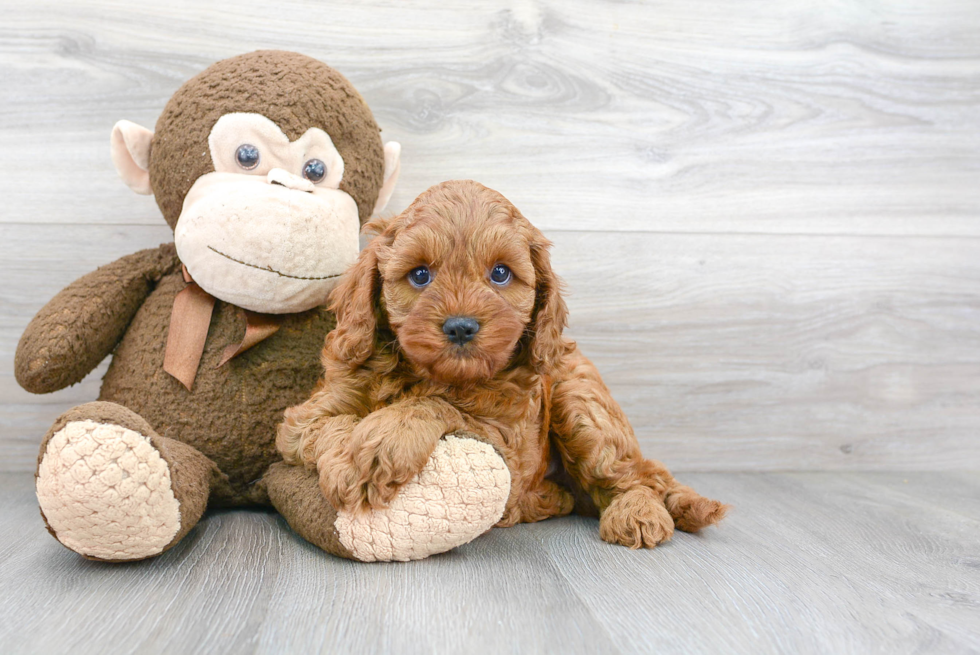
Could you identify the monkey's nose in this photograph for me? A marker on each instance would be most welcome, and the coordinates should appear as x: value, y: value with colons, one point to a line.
x: 284, y: 178
x: 460, y: 329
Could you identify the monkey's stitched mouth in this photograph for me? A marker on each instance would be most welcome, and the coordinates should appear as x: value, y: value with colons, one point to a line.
x: 269, y: 269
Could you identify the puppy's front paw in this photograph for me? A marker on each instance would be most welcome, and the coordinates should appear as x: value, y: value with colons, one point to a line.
x: 636, y: 518
x: 382, y: 456
x: 340, y: 482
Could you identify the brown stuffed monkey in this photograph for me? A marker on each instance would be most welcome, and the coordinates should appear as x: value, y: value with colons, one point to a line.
x: 265, y: 165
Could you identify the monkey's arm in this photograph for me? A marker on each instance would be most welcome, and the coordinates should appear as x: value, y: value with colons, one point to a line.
x: 85, y: 320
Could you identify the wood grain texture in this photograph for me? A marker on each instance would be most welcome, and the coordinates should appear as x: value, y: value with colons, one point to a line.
x: 789, y: 117
x: 761, y: 352
x: 767, y: 212
x: 807, y: 563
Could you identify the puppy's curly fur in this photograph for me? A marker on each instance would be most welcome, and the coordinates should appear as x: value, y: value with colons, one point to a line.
x: 394, y: 384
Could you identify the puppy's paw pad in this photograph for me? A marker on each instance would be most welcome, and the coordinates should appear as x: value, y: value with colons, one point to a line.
x: 637, y: 519
x: 460, y: 494
x: 106, y: 492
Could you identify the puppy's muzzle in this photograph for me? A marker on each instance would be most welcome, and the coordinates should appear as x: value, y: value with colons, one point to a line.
x: 460, y: 329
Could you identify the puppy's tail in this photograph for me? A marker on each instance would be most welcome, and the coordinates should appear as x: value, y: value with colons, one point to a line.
x: 690, y: 510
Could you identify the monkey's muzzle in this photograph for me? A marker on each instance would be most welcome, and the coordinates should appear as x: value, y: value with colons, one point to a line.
x: 267, y: 247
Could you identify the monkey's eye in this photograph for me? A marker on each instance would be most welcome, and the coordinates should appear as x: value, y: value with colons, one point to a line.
x: 247, y: 156
x: 314, y: 170
x: 500, y: 275
x: 420, y: 277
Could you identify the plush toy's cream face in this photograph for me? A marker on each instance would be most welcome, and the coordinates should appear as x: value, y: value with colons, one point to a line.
x: 268, y: 230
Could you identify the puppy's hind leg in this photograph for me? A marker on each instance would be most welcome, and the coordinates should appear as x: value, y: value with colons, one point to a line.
x: 646, y: 515
x: 690, y: 510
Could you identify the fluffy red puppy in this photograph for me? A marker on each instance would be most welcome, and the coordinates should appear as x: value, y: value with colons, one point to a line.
x: 451, y: 322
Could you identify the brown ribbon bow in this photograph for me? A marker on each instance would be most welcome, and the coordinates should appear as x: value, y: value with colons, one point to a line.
x: 189, y: 323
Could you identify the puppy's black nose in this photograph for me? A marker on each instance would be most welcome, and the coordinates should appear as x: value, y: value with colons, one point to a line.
x: 461, y: 329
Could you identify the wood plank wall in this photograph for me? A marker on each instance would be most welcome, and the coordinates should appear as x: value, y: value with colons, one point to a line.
x: 767, y: 213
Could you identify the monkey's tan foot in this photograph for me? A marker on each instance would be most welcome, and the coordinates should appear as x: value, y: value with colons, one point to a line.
x: 459, y: 495
x: 636, y: 518
x: 111, y: 489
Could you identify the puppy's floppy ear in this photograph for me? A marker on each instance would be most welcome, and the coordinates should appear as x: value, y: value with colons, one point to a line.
x: 550, y: 312
x: 355, y: 300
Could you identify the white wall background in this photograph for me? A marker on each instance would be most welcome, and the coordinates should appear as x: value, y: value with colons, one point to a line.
x: 767, y: 213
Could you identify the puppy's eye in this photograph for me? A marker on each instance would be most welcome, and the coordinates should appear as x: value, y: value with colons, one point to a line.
x: 420, y: 277
x: 500, y: 275
x: 247, y: 156
x: 314, y: 170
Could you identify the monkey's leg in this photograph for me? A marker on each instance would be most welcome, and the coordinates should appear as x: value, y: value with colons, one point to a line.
x: 459, y: 494
x: 111, y: 489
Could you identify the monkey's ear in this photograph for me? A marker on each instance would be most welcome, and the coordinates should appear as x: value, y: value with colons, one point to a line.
x: 393, y: 166
x: 130, y: 148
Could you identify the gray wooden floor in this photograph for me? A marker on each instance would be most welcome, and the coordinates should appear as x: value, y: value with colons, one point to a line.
x: 807, y: 563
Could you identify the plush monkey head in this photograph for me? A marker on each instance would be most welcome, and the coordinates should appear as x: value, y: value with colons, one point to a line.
x: 265, y: 165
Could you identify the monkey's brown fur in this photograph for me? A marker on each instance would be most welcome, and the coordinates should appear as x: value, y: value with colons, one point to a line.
x: 295, y: 92
x: 124, y: 308
x: 394, y: 384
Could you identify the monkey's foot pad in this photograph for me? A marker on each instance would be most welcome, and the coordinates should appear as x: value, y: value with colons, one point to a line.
x: 106, y: 492
x: 459, y: 495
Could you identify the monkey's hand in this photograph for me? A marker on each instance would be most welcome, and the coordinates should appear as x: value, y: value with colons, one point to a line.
x: 386, y: 450
x: 85, y: 320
